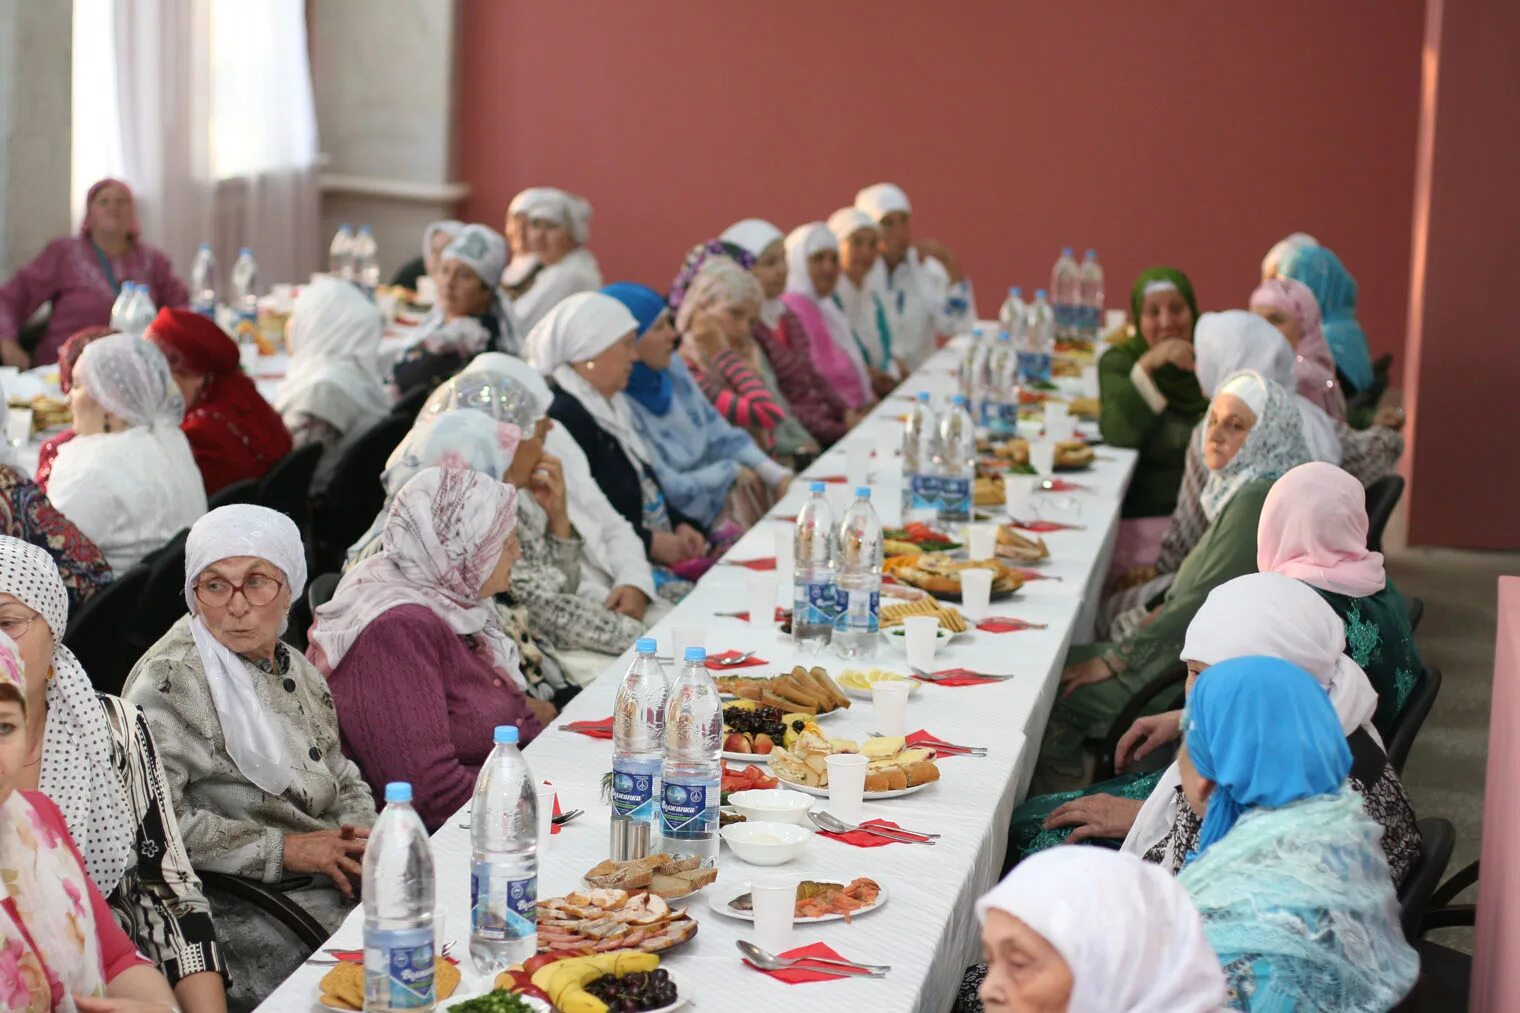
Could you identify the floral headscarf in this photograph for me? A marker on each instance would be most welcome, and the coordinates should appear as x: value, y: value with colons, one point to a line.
x: 1274, y: 446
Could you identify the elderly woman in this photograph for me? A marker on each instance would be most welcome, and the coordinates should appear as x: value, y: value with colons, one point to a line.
x: 585, y: 347
x: 94, y: 757
x: 250, y: 741
x: 82, y: 276
x: 812, y: 274
x: 68, y: 355
x: 1280, y: 249
x: 60, y: 940
x: 523, y: 266
x: 760, y: 246
x: 470, y: 317
x: 234, y: 433
x: 1045, y: 951
x: 434, y: 238
x: 333, y: 390
x: 1151, y: 397
x: 415, y: 622
x: 1288, y: 875
x: 1322, y: 272
x: 710, y: 470
x: 858, y: 240
x: 128, y: 480
x: 1254, y: 435
x: 558, y: 226
x: 614, y: 570
x: 921, y: 285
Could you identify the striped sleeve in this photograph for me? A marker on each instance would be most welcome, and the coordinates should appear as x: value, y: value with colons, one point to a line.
x: 741, y: 396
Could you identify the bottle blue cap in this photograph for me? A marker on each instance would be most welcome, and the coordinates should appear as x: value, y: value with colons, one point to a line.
x: 923, y: 396
x: 1092, y: 254
x: 245, y: 252
x: 398, y: 791
x: 815, y: 487
x: 959, y: 399
x: 1016, y: 292
x: 862, y: 492
x: 205, y: 246
x: 976, y: 332
x: 1003, y: 334
x: 696, y: 654
x: 364, y: 229
x: 1065, y: 251
x: 1039, y: 293
x: 506, y: 734
x: 345, y: 225
x: 646, y: 645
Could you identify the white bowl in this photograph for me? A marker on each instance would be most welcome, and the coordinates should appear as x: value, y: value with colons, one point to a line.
x: 764, y: 843
x: 772, y: 805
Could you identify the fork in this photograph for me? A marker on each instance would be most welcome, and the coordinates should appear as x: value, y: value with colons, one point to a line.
x: 945, y: 747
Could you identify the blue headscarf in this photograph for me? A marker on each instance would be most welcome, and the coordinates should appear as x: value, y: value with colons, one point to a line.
x: 1263, y: 730
x: 650, y: 388
x: 1335, y: 290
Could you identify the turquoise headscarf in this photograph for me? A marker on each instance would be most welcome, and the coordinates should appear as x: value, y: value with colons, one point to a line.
x: 1263, y: 730
x: 650, y: 388
x: 1335, y: 290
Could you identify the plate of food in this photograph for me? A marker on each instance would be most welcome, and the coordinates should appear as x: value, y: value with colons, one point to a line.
x: 1020, y: 548
x: 891, y: 616
x: 915, y: 538
x: 744, y: 779
x: 669, y: 877
x: 817, y: 901
x: 858, y: 682
x: 1071, y: 455
x: 498, y: 1000
x: 940, y: 575
x: 800, y: 691
x: 342, y: 988
x: 898, y: 636
x: 619, y: 980
x: 894, y: 768
x: 751, y: 730
x: 604, y: 920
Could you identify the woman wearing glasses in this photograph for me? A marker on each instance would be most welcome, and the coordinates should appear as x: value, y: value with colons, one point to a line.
x: 250, y: 741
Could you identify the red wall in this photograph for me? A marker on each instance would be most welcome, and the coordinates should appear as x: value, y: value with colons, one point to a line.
x: 1193, y: 133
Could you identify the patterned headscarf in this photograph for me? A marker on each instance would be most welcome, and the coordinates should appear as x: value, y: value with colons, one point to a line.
x: 696, y: 259
x: 69, y: 352
x: 130, y: 378
x: 505, y: 388
x: 1313, y: 364
x: 444, y: 533
x: 1274, y: 446
x: 1335, y: 290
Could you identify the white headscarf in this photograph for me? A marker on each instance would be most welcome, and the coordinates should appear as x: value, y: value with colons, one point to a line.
x: 882, y: 199
x: 130, y: 378
x: 1274, y: 446
x: 1275, y: 616
x: 555, y: 205
x: 580, y: 328
x: 1226, y: 343
x: 482, y: 249
x: 754, y: 236
x: 845, y: 222
x: 334, y: 372
x: 256, y: 746
x: 1127, y: 930
x: 78, y: 772
x: 448, y: 226
x: 801, y: 244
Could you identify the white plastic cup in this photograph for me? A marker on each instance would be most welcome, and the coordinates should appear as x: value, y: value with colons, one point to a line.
x: 1058, y: 421
x: 785, y: 553
x: 248, y: 357
x: 922, y: 635
x: 981, y: 541
x: 762, y: 599
x: 1042, y: 457
x: 1089, y: 381
x: 889, y: 709
x: 976, y: 593
x: 684, y: 637
x: 775, y: 904
x: 847, y: 784
x: 1018, y: 492
x: 18, y: 426
x: 889, y: 439
x: 545, y: 815
x: 857, y: 463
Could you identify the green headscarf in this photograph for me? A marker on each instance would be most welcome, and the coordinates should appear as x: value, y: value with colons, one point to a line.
x: 1178, y: 386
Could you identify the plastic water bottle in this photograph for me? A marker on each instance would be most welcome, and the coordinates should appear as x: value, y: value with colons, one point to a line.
x: 1065, y: 291
x: 340, y: 253
x: 203, y: 282
x: 1000, y: 398
x: 504, y: 859
x: 859, y: 597
x: 1090, y: 290
x: 366, y: 260
x: 814, y: 571
x: 968, y: 376
x: 638, y: 737
x: 1039, y: 344
x: 398, y: 908
x: 690, y: 775
x: 121, y: 309
x: 1011, y: 316
x: 133, y: 311
x: 920, y: 480
x: 957, y: 478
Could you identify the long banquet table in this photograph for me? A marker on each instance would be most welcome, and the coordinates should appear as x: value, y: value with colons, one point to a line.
x: 926, y: 930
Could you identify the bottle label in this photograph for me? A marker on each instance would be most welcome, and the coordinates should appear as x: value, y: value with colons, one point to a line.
x: 689, y: 809
x: 635, y: 791
x: 1008, y: 419
x: 859, y: 612
x: 501, y: 908
x: 955, y: 495
x: 816, y: 602
x: 926, y: 492
x: 398, y: 969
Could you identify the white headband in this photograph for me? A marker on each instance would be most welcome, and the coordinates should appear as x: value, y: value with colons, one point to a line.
x: 1159, y: 285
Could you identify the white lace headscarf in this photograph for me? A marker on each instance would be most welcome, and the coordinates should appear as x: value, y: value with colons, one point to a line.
x: 130, y: 378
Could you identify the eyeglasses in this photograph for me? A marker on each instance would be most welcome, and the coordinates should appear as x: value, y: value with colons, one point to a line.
x: 17, y: 627
x: 258, y: 590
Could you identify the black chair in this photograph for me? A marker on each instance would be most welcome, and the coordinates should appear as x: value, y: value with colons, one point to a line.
x: 163, y: 599
x: 1446, y: 973
x: 1164, y: 692
x: 102, y: 631
x: 354, y: 495
x: 1437, y: 838
x: 1416, y: 710
x: 242, y: 491
x: 1382, y: 496
x: 272, y: 902
x: 286, y: 487
x: 1416, y: 607
x: 410, y: 403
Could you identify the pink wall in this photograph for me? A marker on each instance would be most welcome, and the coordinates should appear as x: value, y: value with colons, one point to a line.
x: 1197, y: 133
x: 1464, y: 358
x: 1495, y: 973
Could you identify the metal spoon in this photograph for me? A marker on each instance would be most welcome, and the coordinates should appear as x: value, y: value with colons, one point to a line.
x: 770, y: 962
x: 825, y: 820
x: 731, y: 662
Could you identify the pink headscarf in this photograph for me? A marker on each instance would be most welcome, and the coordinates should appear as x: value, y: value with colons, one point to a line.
x: 1313, y: 363
x: 133, y: 231
x: 1314, y: 528
x: 443, y: 536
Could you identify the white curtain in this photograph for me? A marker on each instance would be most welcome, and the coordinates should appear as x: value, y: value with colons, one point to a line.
x: 214, y: 125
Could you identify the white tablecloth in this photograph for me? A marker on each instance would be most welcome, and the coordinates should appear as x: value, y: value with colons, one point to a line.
x: 926, y: 931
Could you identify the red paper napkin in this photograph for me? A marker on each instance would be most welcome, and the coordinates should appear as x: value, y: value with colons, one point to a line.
x: 797, y: 975
x: 554, y: 828
x: 743, y: 617
x: 786, y: 518
x: 762, y: 563
x: 1003, y: 625
x: 751, y: 663
x: 1061, y: 485
x: 831, y: 479
x: 1027, y: 575
x: 958, y: 677
x: 923, y: 737
x: 595, y: 729
x: 1041, y: 527
x: 863, y: 839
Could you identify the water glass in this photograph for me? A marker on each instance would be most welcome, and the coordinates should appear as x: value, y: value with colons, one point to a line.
x: 1018, y: 493
x: 889, y: 711
x: 775, y: 903
x: 18, y: 426
x: 981, y: 541
x: 1058, y: 421
x: 684, y: 637
x: 976, y: 593
x: 1042, y: 457
x: 847, y: 783
x: 857, y: 466
x: 922, y: 635
x: 889, y: 437
x: 762, y: 600
x: 785, y: 553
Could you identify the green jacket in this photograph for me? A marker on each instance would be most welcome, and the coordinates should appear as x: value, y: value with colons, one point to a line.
x: 1127, y: 421
x: 1378, y: 639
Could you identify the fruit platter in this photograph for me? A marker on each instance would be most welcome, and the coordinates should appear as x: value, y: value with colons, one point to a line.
x: 624, y: 979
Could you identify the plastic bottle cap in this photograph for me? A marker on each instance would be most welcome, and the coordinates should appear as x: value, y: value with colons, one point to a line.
x: 506, y: 734
x: 364, y: 230
x: 205, y: 246
x: 1092, y: 254
x: 398, y: 791
x: 1039, y: 293
x: 959, y: 399
x: 245, y: 252
x: 696, y: 654
x: 976, y: 332
x: 1003, y: 334
x: 1065, y: 251
x: 923, y: 396
x: 646, y: 645
x: 815, y: 487
x: 345, y: 225
x: 1016, y: 292
x: 862, y: 492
